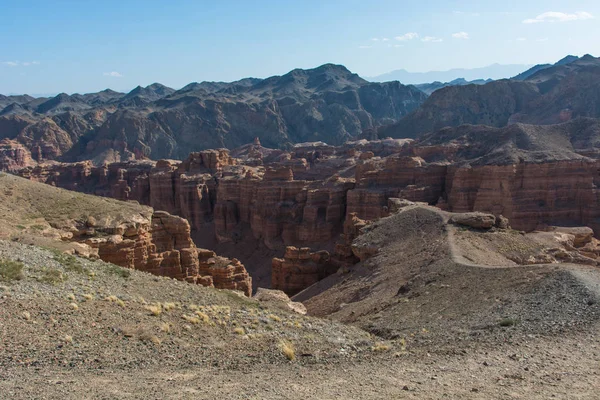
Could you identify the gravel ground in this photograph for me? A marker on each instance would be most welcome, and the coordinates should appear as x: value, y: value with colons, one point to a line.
x: 72, y: 328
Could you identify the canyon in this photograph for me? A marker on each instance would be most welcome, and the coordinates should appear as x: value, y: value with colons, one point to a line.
x: 308, y: 197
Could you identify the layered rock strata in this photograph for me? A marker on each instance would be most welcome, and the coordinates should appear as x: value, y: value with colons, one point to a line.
x: 300, y: 268
x: 162, y: 245
x: 302, y: 198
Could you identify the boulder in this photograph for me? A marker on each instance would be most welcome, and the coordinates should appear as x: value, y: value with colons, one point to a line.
x: 279, y: 299
x: 475, y: 220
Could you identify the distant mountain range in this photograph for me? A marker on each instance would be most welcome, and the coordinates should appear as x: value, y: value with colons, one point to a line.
x: 543, y: 95
x: 526, y: 74
x: 429, y: 88
x: 328, y: 103
x: 494, y: 71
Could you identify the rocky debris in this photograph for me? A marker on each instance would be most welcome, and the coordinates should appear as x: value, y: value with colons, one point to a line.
x: 71, y: 313
x: 582, y: 235
x: 279, y: 299
x: 418, y: 268
x: 475, y: 220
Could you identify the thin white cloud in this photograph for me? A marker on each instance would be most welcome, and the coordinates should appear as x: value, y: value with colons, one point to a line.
x: 375, y: 39
x: 542, y: 39
x: 19, y: 63
x: 472, y: 14
x: 432, y: 39
x: 460, y: 35
x: 385, y: 39
x: 113, y: 74
x: 554, y: 16
x: 407, y: 36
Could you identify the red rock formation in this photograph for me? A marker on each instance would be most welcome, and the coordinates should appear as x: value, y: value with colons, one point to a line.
x: 162, y: 246
x: 299, y: 268
x: 528, y: 194
x: 225, y: 273
x: 14, y: 156
x: 303, y: 198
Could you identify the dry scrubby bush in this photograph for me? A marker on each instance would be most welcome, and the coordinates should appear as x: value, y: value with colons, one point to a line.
x: 287, y: 349
x: 380, y: 347
x: 52, y: 276
x: 154, y: 309
x: 11, y: 271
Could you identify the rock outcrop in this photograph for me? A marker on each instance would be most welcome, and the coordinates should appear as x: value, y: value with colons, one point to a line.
x: 163, y: 246
x: 299, y: 268
x: 477, y: 220
x: 14, y: 156
x: 278, y: 299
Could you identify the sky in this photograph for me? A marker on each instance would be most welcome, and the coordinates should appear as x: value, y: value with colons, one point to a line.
x: 83, y: 46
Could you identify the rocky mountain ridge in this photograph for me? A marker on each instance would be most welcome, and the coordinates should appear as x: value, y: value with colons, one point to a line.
x: 327, y: 103
x: 551, y: 95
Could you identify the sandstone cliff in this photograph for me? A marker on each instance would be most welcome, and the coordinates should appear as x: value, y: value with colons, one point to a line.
x: 125, y: 234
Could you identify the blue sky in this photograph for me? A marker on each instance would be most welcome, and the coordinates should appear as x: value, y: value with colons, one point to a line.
x: 82, y: 46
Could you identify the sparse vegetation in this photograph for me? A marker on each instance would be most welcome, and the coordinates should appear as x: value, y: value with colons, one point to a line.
x: 11, y: 271
x: 274, y: 317
x: 52, y: 276
x: 287, y: 349
x: 149, y: 337
x: 154, y: 309
x: 191, y: 319
x: 74, y: 306
x: 239, y: 331
x: 203, y: 316
x: 380, y: 347
x: 69, y: 262
x: 118, y: 271
x: 506, y: 322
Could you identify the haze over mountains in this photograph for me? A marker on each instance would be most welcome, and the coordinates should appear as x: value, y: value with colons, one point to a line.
x: 494, y: 71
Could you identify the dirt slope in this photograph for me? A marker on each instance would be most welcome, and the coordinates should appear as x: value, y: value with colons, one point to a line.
x: 414, y: 285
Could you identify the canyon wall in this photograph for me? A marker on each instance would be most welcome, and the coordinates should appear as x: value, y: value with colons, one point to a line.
x: 304, y: 197
x: 284, y: 204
